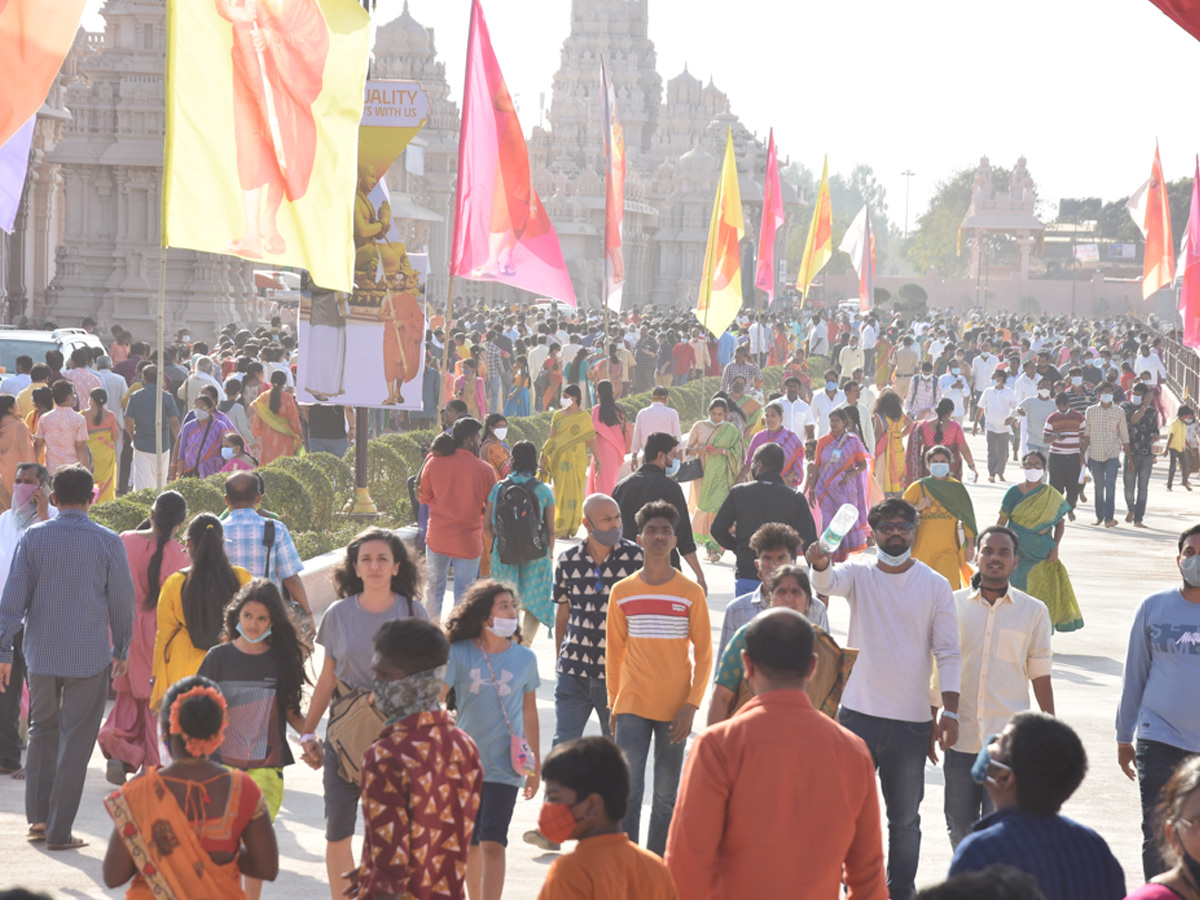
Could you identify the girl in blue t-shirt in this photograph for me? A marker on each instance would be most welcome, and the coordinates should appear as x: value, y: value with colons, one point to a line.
x: 495, y: 682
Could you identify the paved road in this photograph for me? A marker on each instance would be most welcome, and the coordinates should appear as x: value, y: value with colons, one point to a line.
x: 1111, y: 570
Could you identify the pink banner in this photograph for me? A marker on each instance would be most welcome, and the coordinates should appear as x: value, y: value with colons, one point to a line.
x: 1189, y: 296
x: 614, y: 194
x: 772, y: 218
x: 501, y: 230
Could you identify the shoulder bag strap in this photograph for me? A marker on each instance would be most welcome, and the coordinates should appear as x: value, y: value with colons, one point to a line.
x: 269, y: 543
x: 495, y: 686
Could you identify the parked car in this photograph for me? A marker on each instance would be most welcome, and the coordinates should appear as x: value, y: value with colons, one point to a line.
x: 16, y: 342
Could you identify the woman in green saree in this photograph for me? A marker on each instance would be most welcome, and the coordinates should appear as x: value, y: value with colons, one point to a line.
x: 565, y: 460
x: 1036, y: 512
x: 718, y: 444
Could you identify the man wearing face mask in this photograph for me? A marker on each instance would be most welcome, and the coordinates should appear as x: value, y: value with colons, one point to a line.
x: 996, y: 407
x: 1105, y: 435
x: 923, y: 394
x: 653, y: 482
x: 1158, y: 698
x: 419, y: 813
x: 1004, y: 635
x: 826, y: 401
x: 1030, y: 771
x: 902, y: 618
x: 1078, y: 394
x: 982, y: 366
x: 31, y: 504
x: 1142, y: 421
x: 1033, y: 412
x: 777, y: 746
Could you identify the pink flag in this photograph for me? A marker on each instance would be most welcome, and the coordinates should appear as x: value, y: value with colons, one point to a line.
x: 614, y: 193
x: 772, y: 218
x: 866, y: 269
x: 1189, y: 297
x: 501, y: 230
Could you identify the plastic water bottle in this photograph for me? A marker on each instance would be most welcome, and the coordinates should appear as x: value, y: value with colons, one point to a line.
x: 843, y: 520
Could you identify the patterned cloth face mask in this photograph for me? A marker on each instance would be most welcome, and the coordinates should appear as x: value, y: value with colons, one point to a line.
x: 409, y: 695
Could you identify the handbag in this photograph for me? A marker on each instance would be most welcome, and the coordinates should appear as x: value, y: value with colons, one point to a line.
x: 354, y: 725
x: 521, y: 754
x: 690, y: 470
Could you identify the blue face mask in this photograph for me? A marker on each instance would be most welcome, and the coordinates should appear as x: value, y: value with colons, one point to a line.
x: 672, y: 467
x: 262, y: 637
x: 979, y: 770
x: 831, y: 386
x: 939, y: 469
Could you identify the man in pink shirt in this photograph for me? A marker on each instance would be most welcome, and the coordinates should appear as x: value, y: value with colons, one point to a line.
x: 455, y: 484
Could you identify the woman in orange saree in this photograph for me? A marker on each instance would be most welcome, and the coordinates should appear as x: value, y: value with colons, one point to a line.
x: 276, y: 421
x: 16, y: 447
x: 192, y: 828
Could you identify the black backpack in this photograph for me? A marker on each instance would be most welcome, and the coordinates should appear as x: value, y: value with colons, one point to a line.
x: 520, y: 525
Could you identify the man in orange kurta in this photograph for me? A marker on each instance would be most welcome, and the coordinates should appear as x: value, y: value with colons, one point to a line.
x: 279, y: 52
x: 776, y: 800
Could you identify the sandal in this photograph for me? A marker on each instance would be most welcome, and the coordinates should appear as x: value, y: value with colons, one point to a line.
x: 36, y: 834
x: 73, y: 844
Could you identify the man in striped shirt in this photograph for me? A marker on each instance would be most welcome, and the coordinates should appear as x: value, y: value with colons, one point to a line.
x: 1063, y: 429
x: 654, y: 689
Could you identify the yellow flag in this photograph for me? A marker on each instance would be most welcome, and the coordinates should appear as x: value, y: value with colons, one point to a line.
x: 263, y: 107
x: 721, y: 287
x: 819, y: 246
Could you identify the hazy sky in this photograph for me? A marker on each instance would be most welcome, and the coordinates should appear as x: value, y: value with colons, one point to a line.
x: 1082, y: 90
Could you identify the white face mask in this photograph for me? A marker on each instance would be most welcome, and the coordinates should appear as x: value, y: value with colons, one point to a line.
x: 503, y: 627
x: 1035, y: 475
x: 1106, y: 398
x: 1044, y: 393
x: 500, y: 433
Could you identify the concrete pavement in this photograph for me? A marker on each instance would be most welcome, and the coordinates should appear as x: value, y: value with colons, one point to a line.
x: 1111, y: 570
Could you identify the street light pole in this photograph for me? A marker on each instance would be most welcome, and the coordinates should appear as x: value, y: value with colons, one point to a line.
x: 908, y: 174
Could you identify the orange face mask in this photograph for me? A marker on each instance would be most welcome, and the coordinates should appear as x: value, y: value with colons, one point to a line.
x: 556, y: 822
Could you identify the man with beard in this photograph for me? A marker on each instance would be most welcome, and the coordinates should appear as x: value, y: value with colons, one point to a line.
x: 902, y: 617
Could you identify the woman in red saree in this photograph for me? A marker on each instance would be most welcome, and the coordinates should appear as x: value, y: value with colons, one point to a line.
x: 609, y: 422
x: 192, y: 828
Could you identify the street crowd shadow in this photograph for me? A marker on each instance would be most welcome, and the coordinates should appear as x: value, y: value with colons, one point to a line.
x: 1100, y: 664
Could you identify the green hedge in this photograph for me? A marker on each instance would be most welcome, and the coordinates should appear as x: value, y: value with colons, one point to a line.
x: 311, y: 493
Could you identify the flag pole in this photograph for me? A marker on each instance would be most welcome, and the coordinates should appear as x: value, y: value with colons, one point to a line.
x: 446, y: 333
x: 158, y: 398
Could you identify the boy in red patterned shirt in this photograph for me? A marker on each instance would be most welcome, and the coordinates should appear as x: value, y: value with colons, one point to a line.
x: 421, y: 779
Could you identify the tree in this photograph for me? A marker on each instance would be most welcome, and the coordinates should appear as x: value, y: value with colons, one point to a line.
x: 934, y: 243
x: 1116, y: 224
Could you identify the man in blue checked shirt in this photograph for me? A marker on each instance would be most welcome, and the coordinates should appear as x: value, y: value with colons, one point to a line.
x: 246, y: 540
x: 70, y: 584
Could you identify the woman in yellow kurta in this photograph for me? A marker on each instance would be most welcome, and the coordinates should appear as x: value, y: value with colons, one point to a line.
x: 103, y: 434
x: 891, y: 427
x: 565, y: 460
x: 191, y: 606
x: 276, y: 421
x: 944, y: 505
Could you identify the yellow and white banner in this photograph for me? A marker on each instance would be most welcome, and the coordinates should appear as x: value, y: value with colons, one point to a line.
x: 264, y: 99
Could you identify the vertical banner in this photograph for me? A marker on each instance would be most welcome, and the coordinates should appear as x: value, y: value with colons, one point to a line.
x: 614, y: 193
x: 501, y: 230
x: 772, y: 219
x: 263, y: 106
x: 720, y: 297
x: 380, y: 325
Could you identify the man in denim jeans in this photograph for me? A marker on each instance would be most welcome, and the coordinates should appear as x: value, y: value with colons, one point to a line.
x: 1141, y: 419
x: 1105, y: 435
x: 902, y: 617
x: 1158, y: 696
x: 582, y: 580
x: 654, y: 690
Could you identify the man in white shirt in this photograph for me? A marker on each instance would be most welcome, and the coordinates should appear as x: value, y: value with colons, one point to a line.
x: 797, y: 415
x: 997, y: 406
x: 854, y: 397
x: 700, y: 357
x: 818, y: 337
x: 870, y: 337
x: 955, y: 386
x: 537, y: 357
x: 14, y: 384
x: 937, y: 345
x: 1146, y: 361
x: 655, y: 417
x: 851, y: 357
x: 1027, y: 381
x: 826, y: 401
x: 982, y: 367
x: 760, y: 340
x: 902, y: 618
x: 1004, y: 638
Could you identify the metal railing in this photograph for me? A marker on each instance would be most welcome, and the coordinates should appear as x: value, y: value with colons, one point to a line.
x: 1183, y: 368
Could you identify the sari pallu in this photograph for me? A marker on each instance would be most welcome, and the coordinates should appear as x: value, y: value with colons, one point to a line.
x: 721, y: 472
x: 102, y: 444
x: 16, y: 447
x: 751, y: 411
x: 833, y: 459
x: 566, y: 466
x: 890, y: 461
x: 518, y: 402
x: 169, y: 854
x: 278, y: 436
x: 793, y: 453
x: 1034, y: 519
x: 200, y: 445
x: 936, y: 542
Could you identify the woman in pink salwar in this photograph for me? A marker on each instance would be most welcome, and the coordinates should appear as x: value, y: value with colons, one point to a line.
x: 129, y: 738
x: 837, y: 475
x: 608, y: 418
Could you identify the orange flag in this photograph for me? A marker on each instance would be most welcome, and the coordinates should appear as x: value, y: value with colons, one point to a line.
x: 1151, y: 210
x: 721, y: 284
x: 819, y: 246
x: 34, y: 39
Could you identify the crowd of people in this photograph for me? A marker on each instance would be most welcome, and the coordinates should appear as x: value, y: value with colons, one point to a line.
x: 432, y: 728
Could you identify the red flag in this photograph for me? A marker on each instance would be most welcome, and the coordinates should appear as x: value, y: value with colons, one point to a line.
x: 1186, y: 14
x: 34, y: 39
x: 1151, y: 212
x: 772, y: 218
x: 501, y: 230
x: 1189, y: 297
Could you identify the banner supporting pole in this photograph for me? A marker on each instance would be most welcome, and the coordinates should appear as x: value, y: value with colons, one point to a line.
x: 161, y: 382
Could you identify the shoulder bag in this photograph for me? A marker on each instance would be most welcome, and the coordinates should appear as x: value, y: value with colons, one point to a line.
x: 354, y: 725
x: 523, y: 760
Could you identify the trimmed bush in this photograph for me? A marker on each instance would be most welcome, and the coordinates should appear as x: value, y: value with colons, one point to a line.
x: 288, y: 498
x: 320, y: 490
x: 338, y: 471
x: 200, y: 494
x: 121, y: 514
